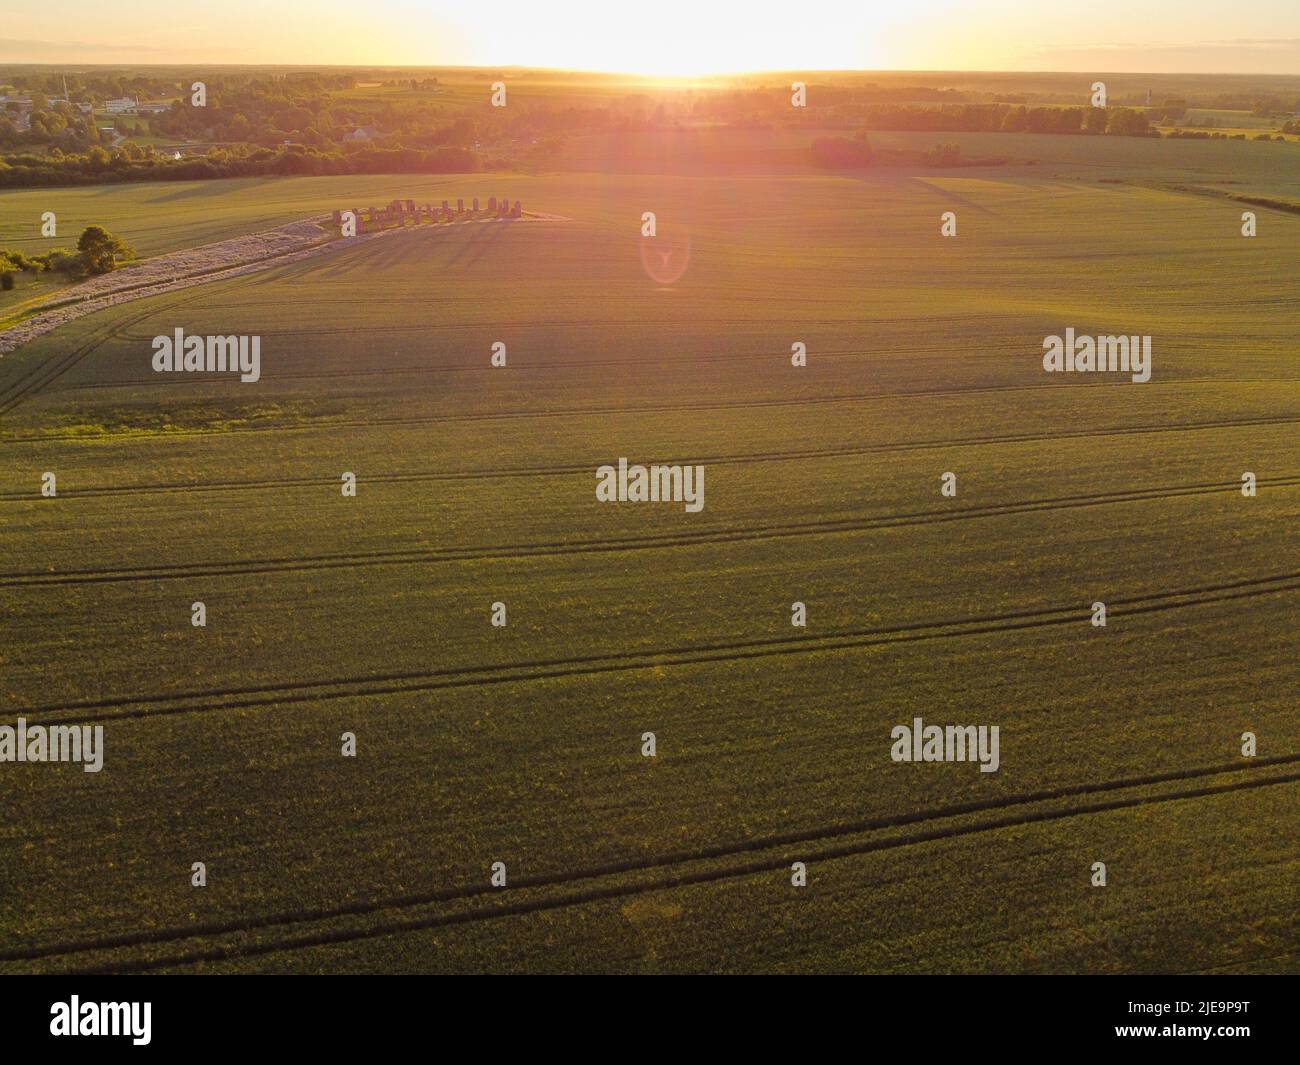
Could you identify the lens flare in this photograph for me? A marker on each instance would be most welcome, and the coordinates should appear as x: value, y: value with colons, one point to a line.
x: 666, y: 258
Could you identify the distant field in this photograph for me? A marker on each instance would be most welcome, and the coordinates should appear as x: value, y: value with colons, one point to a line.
x: 475, y: 744
x: 164, y: 216
x: 1225, y: 119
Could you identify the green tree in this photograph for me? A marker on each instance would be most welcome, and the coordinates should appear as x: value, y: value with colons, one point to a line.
x: 1126, y: 122
x: 101, y: 251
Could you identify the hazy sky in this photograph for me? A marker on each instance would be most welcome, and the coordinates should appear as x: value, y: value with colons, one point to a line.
x: 669, y: 36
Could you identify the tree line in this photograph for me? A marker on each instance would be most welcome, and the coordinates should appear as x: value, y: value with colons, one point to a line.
x: 1005, y: 118
x: 132, y: 163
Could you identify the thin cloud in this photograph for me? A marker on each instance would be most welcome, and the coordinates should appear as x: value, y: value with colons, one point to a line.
x: 15, y: 50
x: 1283, y: 43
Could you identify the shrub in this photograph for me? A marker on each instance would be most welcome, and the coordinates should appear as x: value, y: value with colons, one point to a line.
x: 62, y: 261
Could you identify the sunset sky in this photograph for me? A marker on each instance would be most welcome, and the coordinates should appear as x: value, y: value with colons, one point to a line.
x: 671, y: 37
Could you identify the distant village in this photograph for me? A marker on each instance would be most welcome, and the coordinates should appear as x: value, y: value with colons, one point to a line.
x: 18, y: 108
x: 77, y: 120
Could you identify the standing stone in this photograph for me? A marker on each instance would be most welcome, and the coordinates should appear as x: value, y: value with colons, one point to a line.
x: 492, y: 204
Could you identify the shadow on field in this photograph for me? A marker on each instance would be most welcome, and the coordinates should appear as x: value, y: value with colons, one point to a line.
x: 949, y: 196
x: 465, y: 246
x: 479, y: 248
x: 208, y: 188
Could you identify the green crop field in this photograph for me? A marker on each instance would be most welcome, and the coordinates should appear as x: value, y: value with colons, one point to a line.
x: 1210, y: 118
x: 477, y: 744
x: 166, y: 216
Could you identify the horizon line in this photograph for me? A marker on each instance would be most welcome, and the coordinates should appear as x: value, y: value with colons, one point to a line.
x: 710, y: 75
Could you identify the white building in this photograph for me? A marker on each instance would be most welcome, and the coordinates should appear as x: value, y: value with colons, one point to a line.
x: 119, y: 107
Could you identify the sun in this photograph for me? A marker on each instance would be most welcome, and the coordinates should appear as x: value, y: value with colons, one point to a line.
x: 689, y: 39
